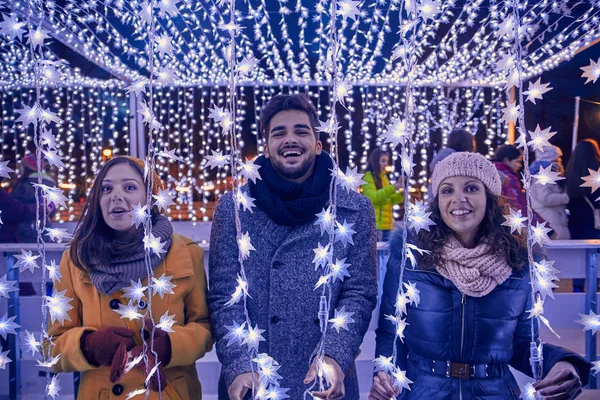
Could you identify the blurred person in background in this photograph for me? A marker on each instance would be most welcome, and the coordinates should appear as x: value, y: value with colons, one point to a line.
x: 458, y: 140
x: 381, y: 192
x: 550, y: 200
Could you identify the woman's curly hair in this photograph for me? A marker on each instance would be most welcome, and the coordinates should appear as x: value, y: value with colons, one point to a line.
x: 498, y: 236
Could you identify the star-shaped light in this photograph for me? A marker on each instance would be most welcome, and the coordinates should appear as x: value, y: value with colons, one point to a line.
x: 164, y: 45
x: 53, y: 195
x: 590, y: 322
x: 154, y: 243
x: 539, y: 138
x: 528, y: 392
x: 592, y: 180
x: 591, y: 72
x: 406, y: 162
x: 166, y: 322
x: 540, y: 233
x: 351, y: 180
x: 412, y: 293
x: 7, y: 325
x: 59, y: 307
x: 323, y: 279
x: 428, y: 9
x: 137, y: 87
x: 537, y: 309
x: 536, y: 90
x: 247, y: 66
x: 7, y: 286
x: 129, y: 366
x: 344, y: 232
x: 244, y: 201
x: 230, y: 27
x: 544, y: 286
x: 418, y: 217
x: 53, y: 271
x: 400, y: 379
x: 515, y: 221
x: 26, y: 260
x: 512, y: 79
x: 135, y: 292
x: 136, y: 392
x: 596, y: 367
x: 409, y: 253
x: 384, y: 364
x: 546, y: 176
x: 511, y: 112
x: 545, y: 267
x: 5, y: 170
x: 129, y: 311
x: 50, y: 363
x: 250, y: 170
x: 400, y: 324
x: 253, y: 337
x: 11, y: 27
x: 276, y: 393
x: 216, y: 160
x: 330, y: 126
x: 37, y: 37
x: 4, y: 359
x: 241, y: 290
x: 235, y: 333
x: 217, y: 113
x: 166, y: 76
x: 396, y: 132
x: 31, y: 343
x: 321, y: 256
x: 245, y: 245
x: 58, y: 235
x: 53, y: 387
x: 343, y: 91
x: 349, y: 9
x: 170, y: 154
x: 506, y: 63
x: 49, y: 116
x: 163, y: 200
x: 28, y: 115
x: 341, y: 319
x: 162, y: 285
x: 505, y: 27
x: 267, y: 371
x: 325, y: 221
x: 139, y: 215
x: 148, y: 116
x: 339, y: 269
x: 401, y: 302
x: 169, y: 7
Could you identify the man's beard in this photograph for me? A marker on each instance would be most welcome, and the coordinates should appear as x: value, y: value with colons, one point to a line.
x: 294, y: 172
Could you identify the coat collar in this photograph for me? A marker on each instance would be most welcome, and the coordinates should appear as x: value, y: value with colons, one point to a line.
x: 178, y: 263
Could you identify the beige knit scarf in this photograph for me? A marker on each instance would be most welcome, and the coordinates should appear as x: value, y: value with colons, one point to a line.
x: 475, y: 272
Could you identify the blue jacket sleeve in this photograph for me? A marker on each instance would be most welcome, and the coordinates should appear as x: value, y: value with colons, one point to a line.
x: 551, y: 353
x: 385, y: 333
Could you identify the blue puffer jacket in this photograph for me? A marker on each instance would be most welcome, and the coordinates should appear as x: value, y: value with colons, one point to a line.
x: 489, y: 332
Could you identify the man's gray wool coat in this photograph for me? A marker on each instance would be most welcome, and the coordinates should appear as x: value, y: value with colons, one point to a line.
x: 281, y: 282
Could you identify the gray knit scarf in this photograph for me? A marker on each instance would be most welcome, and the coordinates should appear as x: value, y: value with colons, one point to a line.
x: 123, y: 268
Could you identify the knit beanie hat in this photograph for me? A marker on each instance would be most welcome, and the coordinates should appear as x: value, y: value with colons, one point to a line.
x: 30, y: 162
x: 467, y: 164
x: 549, y: 154
x: 156, y: 182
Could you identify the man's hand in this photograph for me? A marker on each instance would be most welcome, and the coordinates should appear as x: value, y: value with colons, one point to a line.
x: 241, y: 384
x: 382, y: 388
x: 334, y: 377
x: 561, y: 383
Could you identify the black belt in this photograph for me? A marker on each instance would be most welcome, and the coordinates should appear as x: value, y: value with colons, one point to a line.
x: 458, y: 370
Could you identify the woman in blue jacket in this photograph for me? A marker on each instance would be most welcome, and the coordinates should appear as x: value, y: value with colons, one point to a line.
x: 471, y: 322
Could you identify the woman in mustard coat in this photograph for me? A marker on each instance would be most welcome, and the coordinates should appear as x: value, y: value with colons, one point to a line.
x: 382, y: 194
x: 103, y: 329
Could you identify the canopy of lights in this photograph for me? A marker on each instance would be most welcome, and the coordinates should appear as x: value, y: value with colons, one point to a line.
x: 183, y: 82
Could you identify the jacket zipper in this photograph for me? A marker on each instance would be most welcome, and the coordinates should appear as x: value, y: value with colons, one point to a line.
x: 462, y: 340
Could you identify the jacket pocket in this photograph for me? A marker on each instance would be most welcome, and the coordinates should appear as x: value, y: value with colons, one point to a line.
x: 181, y: 387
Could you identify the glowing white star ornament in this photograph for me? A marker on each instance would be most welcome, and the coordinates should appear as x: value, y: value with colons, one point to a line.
x: 139, y: 215
x: 53, y: 387
x: 321, y: 256
x: 384, y: 364
x: 540, y: 138
x: 344, y: 232
x: 7, y: 326
x: 245, y: 246
x: 7, y: 286
x: 351, y: 179
x: 546, y: 176
x: 135, y: 292
x: 591, y: 72
x: 339, y: 269
x: 349, y: 9
x: 26, y: 260
x: 53, y: 271
x: 253, y: 337
x: 540, y: 233
x: 592, y: 180
x: 4, y: 359
x: 400, y: 379
x: 511, y: 112
x: 341, y: 319
x: 590, y: 322
x: 241, y: 291
x: 129, y: 311
x: 163, y: 199
x: 155, y: 244
x: 235, y: 333
x: 166, y: 322
x: 5, y: 170
x: 58, y: 235
x: 162, y: 285
x: 325, y: 221
x: 250, y: 170
x: 536, y: 90
x: 515, y: 221
x: 216, y: 159
x: 59, y: 306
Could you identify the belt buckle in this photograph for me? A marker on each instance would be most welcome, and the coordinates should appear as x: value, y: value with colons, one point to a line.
x: 460, y: 370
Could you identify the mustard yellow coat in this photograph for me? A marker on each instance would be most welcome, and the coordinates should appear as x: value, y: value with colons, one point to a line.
x: 190, y: 340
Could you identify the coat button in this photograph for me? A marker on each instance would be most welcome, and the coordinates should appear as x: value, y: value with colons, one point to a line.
x: 276, y: 264
x: 142, y: 305
x: 117, y: 389
x: 115, y: 303
x: 275, y: 319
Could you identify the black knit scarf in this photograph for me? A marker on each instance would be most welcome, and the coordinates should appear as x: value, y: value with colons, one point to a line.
x: 289, y: 203
x: 108, y: 278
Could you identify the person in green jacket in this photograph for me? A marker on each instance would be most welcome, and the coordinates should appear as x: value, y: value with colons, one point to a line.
x: 381, y: 192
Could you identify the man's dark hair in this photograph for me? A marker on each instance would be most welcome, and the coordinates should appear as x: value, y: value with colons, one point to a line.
x: 506, y: 151
x: 283, y: 102
x: 461, y: 140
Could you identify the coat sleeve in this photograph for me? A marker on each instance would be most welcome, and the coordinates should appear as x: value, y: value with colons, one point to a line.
x: 193, y: 339
x: 385, y: 334
x: 14, y: 210
x: 358, y: 293
x: 548, y: 197
x: 67, y: 336
x: 377, y: 196
x: 551, y: 353
x: 222, y: 273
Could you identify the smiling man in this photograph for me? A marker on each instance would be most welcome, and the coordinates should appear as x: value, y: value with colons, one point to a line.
x: 282, y: 273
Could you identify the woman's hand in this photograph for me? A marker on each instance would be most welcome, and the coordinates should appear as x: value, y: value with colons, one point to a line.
x: 561, y: 383
x: 382, y: 388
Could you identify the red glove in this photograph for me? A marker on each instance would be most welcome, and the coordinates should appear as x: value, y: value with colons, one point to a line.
x: 99, y: 347
x: 162, y: 347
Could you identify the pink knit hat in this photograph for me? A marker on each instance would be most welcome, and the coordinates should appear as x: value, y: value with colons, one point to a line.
x: 30, y: 161
x: 467, y: 164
